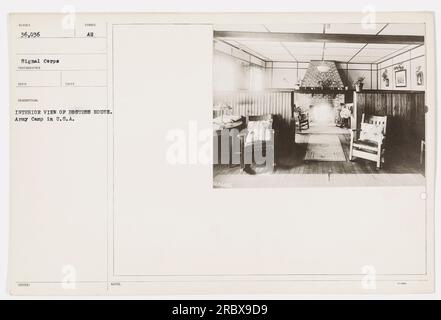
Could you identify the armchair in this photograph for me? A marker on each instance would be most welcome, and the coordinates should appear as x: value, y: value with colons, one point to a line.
x: 368, y: 141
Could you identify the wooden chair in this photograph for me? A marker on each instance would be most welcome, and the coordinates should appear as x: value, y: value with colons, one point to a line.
x: 368, y: 141
x: 265, y: 145
x: 301, y: 118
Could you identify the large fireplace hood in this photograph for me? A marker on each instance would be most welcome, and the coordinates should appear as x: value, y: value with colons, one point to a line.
x: 318, y: 79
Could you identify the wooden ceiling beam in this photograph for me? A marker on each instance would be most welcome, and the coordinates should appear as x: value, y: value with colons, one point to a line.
x: 320, y: 37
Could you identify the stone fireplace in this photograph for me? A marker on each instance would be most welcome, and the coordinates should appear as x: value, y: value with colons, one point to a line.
x: 321, y: 92
x: 321, y: 106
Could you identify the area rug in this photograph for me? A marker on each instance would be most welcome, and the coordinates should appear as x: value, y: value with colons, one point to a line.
x: 324, y: 147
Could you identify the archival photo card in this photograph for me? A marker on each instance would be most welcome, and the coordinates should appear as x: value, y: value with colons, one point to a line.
x: 222, y: 153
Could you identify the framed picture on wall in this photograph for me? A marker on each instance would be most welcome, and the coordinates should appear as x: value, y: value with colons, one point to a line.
x: 419, y: 76
x: 385, y: 78
x: 400, y: 78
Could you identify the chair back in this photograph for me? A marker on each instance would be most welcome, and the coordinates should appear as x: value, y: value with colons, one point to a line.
x: 376, y: 120
x: 304, y: 115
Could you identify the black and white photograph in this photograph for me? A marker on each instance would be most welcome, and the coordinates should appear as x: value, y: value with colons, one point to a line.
x: 303, y: 105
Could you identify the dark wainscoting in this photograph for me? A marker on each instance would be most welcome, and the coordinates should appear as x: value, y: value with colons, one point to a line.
x: 405, y: 111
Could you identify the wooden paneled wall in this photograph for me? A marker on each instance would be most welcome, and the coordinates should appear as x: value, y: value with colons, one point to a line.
x: 247, y: 103
x: 405, y: 111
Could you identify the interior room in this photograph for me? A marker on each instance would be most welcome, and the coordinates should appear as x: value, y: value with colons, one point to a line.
x: 319, y: 104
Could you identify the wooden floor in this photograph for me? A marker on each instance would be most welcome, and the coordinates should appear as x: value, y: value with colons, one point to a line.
x: 400, y: 162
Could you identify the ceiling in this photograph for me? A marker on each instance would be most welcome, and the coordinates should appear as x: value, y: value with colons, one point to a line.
x: 307, y: 51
